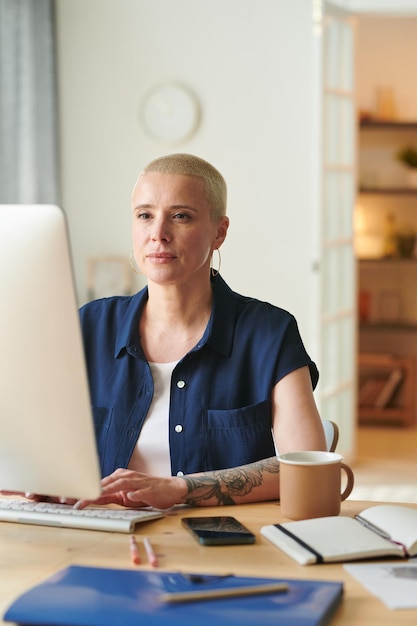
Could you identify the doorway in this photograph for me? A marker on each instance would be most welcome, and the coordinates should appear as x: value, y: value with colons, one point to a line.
x: 387, y: 323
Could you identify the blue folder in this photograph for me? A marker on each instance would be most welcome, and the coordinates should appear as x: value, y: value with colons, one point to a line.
x: 88, y: 596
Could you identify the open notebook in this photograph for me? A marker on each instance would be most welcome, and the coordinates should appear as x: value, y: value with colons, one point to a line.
x: 383, y: 530
x: 47, y: 441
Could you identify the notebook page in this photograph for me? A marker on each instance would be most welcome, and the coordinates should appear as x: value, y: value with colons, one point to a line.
x: 399, y: 522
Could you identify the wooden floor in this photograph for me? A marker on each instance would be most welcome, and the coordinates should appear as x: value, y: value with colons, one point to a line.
x: 386, y: 463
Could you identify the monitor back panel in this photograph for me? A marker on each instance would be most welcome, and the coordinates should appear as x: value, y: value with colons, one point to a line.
x: 47, y: 443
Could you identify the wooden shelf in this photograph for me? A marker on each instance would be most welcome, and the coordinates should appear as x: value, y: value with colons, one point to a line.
x: 368, y: 414
x: 389, y: 259
x: 388, y: 125
x: 400, y: 409
x: 395, y: 191
x: 407, y: 327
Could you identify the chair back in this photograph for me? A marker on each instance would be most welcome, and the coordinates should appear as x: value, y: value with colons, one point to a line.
x: 331, y: 433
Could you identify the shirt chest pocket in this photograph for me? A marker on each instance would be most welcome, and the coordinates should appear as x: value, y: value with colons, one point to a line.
x: 238, y: 436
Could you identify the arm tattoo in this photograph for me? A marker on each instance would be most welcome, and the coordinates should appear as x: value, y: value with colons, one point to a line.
x: 224, y: 485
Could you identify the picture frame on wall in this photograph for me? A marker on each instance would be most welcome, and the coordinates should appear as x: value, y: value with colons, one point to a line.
x: 108, y: 275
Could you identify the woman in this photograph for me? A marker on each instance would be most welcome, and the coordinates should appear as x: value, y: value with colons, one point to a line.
x: 192, y: 384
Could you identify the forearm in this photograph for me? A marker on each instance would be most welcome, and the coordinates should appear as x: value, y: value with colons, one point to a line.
x: 255, y: 482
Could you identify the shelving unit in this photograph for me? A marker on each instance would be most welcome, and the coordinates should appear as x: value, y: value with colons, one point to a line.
x: 400, y: 408
x: 383, y: 190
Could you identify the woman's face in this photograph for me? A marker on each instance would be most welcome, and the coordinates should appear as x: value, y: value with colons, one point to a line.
x: 173, y: 233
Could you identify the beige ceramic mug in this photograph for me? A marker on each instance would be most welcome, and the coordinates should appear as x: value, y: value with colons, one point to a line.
x: 310, y: 484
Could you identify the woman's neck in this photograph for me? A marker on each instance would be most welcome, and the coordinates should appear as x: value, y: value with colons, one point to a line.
x: 173, y: 321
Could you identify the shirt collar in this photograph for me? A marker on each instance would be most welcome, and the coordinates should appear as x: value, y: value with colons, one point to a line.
x: 218, y: 334
x: 127, y: 337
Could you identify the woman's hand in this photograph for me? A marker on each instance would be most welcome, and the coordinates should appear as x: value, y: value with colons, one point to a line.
x: 126, y: 488
x: 133, y: 489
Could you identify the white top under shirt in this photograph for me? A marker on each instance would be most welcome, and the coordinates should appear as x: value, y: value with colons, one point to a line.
x: 151, y: 454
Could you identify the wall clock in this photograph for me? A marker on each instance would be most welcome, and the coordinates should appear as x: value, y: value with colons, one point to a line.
x: 169, y: 112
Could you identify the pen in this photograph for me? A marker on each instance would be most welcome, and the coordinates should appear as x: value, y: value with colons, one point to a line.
x: 134, y: 551
x: 372, y: 527
x: 150, y: 552
x: 231, y: 592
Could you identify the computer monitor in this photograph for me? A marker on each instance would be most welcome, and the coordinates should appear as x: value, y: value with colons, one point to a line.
x: 47, y: 441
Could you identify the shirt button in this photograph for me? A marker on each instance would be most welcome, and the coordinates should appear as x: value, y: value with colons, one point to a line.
x: 180, y: 473
x: 178, y: 428
x: 181, y: 384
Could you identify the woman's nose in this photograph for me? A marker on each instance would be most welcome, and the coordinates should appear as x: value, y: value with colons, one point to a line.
x: 160, y: 231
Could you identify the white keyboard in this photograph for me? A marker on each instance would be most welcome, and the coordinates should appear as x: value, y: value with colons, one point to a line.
x: 91, y: 518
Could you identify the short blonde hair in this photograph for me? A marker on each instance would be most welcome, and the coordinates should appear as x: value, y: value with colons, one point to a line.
x: 190, y: 165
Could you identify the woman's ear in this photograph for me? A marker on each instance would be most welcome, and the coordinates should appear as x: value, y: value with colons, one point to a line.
x: 222, y: 226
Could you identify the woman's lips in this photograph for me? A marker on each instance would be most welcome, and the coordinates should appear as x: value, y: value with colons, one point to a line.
x: 160, y: 257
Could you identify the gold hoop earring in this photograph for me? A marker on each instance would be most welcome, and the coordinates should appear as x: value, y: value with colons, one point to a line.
x: 214, y: 271
x: 132, y: 265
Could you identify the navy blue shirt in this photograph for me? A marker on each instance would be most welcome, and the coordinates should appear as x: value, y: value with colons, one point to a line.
x: 220, y: 412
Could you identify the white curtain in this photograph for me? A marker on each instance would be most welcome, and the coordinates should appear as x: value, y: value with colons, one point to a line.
x: 28, y: 117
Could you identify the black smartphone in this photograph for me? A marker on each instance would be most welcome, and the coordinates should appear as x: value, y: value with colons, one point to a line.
x: 218, y: 531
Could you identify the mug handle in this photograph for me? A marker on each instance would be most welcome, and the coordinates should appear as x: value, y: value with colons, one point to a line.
x: 350, y: 481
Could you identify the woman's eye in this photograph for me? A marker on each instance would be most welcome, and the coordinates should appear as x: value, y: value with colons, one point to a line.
x: 181, y: 216
x: 142, y: 216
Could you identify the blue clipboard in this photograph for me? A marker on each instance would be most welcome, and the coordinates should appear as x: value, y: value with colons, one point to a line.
x: 89, y: 596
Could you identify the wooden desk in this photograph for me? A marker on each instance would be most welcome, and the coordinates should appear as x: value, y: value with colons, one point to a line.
x: 29, y: 554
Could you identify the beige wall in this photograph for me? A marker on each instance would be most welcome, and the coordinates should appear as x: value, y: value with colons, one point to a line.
x: 250, y: 64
